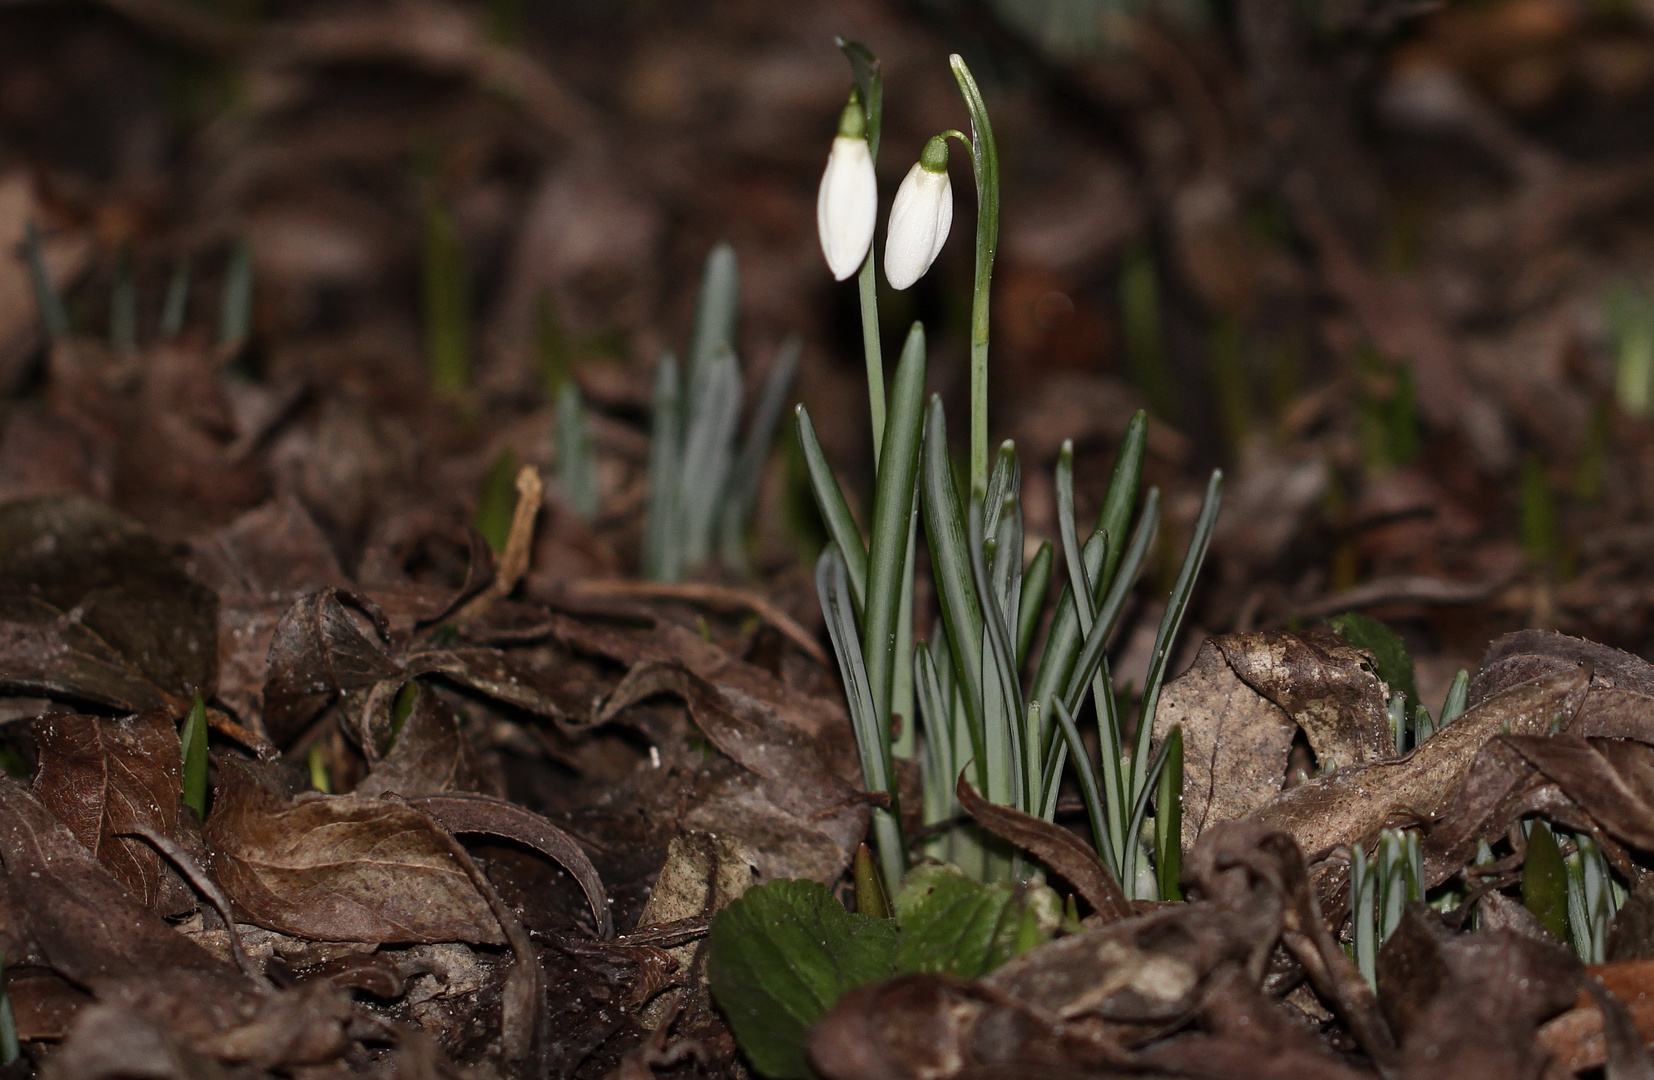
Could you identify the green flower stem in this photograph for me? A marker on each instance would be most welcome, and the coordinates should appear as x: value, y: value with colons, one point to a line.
x: 864, y: 66
x: 874, y: 353
x: 985, y: 169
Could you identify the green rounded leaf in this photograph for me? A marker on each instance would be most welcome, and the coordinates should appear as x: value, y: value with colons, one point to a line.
x: 781, y: 956
x: 956, y: 926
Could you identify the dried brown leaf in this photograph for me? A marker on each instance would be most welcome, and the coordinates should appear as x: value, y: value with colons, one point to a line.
x: 103, y: 779
x: 321, y: 649
x: 499, y: 817
x: 1328, y: 688
x: 1351, y: 805
x: 1235, y: 742
x: 1053, y: 845
x: 431, y: 754
x: 339, y: 868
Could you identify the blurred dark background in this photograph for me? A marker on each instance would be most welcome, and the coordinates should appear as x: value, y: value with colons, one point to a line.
x: 1386, y: 261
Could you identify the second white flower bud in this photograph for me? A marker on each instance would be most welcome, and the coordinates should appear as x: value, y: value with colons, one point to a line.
x: 920, y: 217
x: 847, y: 203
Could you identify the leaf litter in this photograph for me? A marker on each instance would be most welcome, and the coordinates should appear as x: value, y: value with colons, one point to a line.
x: 473, y: 810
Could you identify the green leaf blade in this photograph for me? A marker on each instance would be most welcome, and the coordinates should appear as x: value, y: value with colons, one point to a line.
x: 781, y: 957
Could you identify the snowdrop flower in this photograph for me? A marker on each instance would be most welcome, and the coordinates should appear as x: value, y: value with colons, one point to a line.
x: 847, y: 204
x: 920, y: 217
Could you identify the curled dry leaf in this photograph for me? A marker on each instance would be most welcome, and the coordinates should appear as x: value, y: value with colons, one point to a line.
x: 339, y: 868
x: 431, y: 754
x: 1351, y: 805
x: 1471, y: 1004
x: 1053, y: 845
x: 499, y: 817
x: 319, y: 650
x: 1610, y: 779
x: 103, y: 778
x: 801, y: 818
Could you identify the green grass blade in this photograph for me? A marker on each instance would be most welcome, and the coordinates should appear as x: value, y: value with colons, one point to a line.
x: 748, y: 473
x: 985, y: 170
x: 892, y: 519
x: 708, y: 452
x: 123, y: 307
x: 175, y: 306
x: 194, y: 740
x: 901, y: 677
x: 1056, y: 756
x: 1171, y: 622
x: 1168, y: 819
x: 1079, y: 583
x: 447, y: 302
x: 1140, y: 812
x: 940, y: 767
x: 1086, y: 770
x: 1095, y: 644
x: 1458, y: 696
x: 716, y: 308
x: 1002, y: 701
x: 53, y: 318
x: 1115, y: 516
x: 575, y: 468
x: 950, y: 557
x: 9, y: 1048
x: 235, y: 307
x: 662, y: 529
x: 872, y: 742
x: 1035, y: 581
x: 835, y: 512
x: 1063, y: 640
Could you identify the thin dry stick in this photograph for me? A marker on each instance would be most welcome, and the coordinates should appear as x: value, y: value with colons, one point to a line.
x: 716, y: 595
x: 519, y: 547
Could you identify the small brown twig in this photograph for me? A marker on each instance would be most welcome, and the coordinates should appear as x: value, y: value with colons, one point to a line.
x: 715, y: 595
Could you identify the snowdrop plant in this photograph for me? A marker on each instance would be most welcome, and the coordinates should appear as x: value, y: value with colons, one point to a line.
x: 1011, y: 737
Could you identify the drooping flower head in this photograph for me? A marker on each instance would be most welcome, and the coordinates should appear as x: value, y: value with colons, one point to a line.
x: 920, y: 217
x: 847, y: 204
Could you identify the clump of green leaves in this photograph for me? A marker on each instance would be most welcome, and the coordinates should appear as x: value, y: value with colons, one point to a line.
x: 703, y: 477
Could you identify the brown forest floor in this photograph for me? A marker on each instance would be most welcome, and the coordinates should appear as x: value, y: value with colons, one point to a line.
x: 1377, y: 259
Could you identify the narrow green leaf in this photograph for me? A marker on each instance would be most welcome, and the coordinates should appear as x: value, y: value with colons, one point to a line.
x: 872, y: 738
x: 53, y: 318
x: 748, y: 473
x: 1114, y: 518
x: 1090, y: 790
x: 892, y: 517
x: 316, y: 765
x: 1002, y: 711
x: 1095, y: 646
x: 952, y: 925
x: 447, y: 302
x: 662, y: 528
x: 1035, y: 581
x: 235, y: 306
x: 575, y: 468
x: 497, y: 501
x: 9, y: 1049
x: 1458, y: 696
x: 716, y: 308
x: 945, y: 530
x: 1390, y: 658
x: 1170, y: 623
x: 194, y: 740
x: 708, y: 450
x: 780, y: 957
x: 1168, y: 819
x: 835, y: 512
x: 175, y: 305
x: 1545, y: 880
x: 871, y: 897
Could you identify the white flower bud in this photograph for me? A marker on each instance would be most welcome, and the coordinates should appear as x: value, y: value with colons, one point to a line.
x: 847, y: 205
x: 920, y: 217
